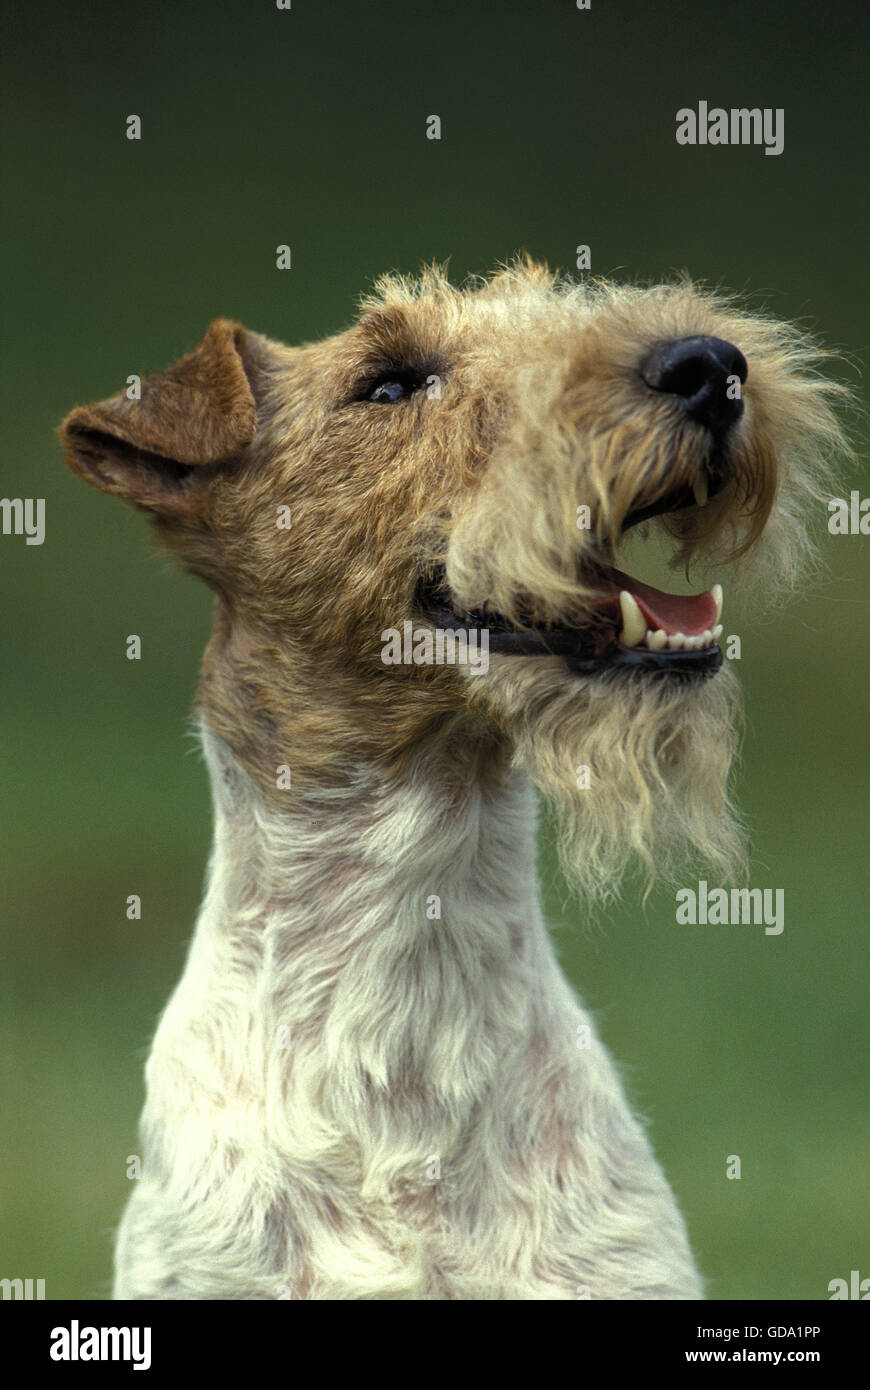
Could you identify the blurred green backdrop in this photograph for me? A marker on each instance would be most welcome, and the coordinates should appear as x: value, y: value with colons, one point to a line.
x: 308, y: 127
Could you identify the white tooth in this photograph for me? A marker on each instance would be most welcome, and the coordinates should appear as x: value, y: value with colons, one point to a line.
x: 700, y: 489
x: 656, y: 640
x: 716, y: 591
x: 692, y: 643
x: 717, y: 632
x: 633, y: 624
x: 676, y: 641
x: 706, y: 637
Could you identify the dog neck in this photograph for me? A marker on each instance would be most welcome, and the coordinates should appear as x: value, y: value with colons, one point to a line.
x: 379, y: 945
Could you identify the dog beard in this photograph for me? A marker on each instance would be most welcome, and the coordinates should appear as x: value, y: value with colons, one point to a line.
x: 658, y: 753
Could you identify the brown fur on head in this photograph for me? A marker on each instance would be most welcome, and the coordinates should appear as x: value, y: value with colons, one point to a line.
x: 524, y: 401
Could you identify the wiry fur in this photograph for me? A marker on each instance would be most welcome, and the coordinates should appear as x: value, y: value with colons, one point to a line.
x: 657, y: 784
x: 349, y: 1097
x: 433, y: 1123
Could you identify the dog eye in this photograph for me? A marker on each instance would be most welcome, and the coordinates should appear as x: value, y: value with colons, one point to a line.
x: 391, y: 388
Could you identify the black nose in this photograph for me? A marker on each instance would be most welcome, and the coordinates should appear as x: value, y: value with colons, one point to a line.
x: 700, y: 372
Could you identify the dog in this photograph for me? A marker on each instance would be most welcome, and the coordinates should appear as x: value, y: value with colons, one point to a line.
x: 373, y: 1081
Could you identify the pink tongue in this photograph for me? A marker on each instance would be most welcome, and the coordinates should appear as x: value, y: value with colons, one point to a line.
x: 690, y: 614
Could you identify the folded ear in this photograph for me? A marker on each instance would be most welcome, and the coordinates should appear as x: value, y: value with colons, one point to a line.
x: 155, y: 451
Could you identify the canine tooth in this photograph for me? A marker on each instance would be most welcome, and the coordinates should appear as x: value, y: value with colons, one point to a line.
x: 633, y: 625
x: 716, y: 591
x: 717, y: 632
x: 676, y: 641
x: 656, y: 640
x: 700, y: 489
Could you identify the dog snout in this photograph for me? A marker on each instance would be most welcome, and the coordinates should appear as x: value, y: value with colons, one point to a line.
x: 704, y: 374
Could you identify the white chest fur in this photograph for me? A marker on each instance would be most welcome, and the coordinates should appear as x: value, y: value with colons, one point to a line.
x: 372, y: 1080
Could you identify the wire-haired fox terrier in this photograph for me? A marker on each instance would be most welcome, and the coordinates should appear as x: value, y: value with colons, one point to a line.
x: 373, y: 1080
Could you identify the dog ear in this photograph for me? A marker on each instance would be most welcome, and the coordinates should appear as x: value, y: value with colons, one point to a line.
x: 156, y: 451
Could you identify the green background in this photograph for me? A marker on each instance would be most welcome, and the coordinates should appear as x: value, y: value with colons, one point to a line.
x: 308, y: 127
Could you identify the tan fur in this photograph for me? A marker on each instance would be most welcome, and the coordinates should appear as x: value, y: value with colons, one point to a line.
x: 541, y: 409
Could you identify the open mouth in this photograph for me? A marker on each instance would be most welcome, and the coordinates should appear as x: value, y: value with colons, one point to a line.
x: 632, y: 624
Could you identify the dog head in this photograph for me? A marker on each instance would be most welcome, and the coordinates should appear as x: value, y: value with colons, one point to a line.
x: 470, y: 461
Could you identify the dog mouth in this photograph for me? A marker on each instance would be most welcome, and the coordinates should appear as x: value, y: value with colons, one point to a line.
x: 631, y: 624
